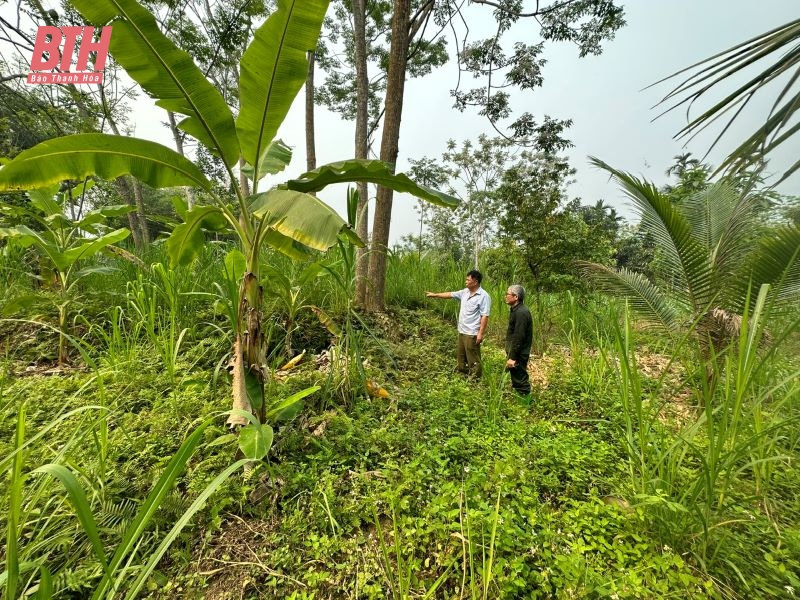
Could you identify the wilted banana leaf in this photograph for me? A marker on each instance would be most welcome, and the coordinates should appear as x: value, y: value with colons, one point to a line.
x: 106, y: 156
x: 300, y: 217
x: 326, y: 320
x: 272, y: 71
x: 166, y: 73
x: 372, y: 171
x: 274, y: 159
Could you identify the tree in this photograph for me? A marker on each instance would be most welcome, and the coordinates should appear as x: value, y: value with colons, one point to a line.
x: 536, y: 220
x: 472, y: 173
x: 692, y: 176
x: 635, y: 250
x: 96, y: 108
x: 779, y: 46
x: 585, y: 23
x: 479, y: 169
x: 550, y: 238
x: 359, y: 30
x: 272, y: 70
x: 432, y: 174
x: 712, y: 254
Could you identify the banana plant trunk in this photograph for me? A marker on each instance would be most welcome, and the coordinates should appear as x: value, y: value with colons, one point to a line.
x: 249, y: 353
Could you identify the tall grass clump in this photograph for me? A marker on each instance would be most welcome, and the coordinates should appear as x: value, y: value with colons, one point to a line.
x: 156, y: 302
x: 409, y: 275
x: 495, y: 380
x: 345, y: 376
x: 15, y: 276
x: 696, y: 481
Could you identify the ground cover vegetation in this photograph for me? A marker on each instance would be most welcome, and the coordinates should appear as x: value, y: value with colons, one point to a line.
x: 656, y: 456
x: 628, y: 473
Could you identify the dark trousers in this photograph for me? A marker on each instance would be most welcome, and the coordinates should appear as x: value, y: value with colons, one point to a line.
x: 519, y: 376
x: 468, y: 354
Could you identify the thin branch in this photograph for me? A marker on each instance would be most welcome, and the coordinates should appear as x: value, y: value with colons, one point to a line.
x: 13, y: 76
x: 536, y: 13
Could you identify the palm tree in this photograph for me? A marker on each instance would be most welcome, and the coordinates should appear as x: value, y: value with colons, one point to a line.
x: 781, y: 46
x: 713, y: 252
x: 683, y: 162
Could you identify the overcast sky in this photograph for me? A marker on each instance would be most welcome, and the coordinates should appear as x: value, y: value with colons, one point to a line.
x: 604, y: 96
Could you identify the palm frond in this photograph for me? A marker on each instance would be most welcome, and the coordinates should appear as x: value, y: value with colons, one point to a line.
x: 644, y: 297
x: 686, y: 260
x: 708, y: 212
x: 782, y: 47
x: 723, y: 221
x: 776, y: 261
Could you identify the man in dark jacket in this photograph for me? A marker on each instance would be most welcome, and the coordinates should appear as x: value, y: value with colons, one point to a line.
x: 518, y: 339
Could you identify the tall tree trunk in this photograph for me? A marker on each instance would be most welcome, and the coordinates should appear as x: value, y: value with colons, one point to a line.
x: 138, y: 196
x: 123, y: 185
x: 131, y: 189
x: 311, y: 148
x: 361, y: 145
x: 395, y: 83
x: 178, y: 137
x: 477, y: 231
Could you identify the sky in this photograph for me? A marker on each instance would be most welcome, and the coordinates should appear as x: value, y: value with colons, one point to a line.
x: 606, y: 96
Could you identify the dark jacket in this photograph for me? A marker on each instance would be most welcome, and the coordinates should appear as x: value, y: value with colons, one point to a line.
x: 519, y: 336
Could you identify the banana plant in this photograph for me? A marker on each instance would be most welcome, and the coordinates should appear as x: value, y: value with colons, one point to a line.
x: 62, y: 244
x: 288, y: 217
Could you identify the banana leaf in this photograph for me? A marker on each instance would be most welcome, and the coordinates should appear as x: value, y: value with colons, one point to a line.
x: 274, y: 159
x: 372, y: 171
x: 166, y: 73
x: 187, y: 239
x: 299, y: 216
x: 272, y: 71
x: 106, y: 156
x: 286, y: 245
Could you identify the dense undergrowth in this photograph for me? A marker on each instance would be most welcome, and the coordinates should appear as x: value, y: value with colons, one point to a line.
x: 612, y: 481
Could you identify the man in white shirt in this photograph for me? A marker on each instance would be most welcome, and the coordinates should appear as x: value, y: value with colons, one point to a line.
x: 473, y: 317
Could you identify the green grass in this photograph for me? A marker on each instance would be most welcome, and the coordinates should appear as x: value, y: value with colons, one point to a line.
x: 447, y: 489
